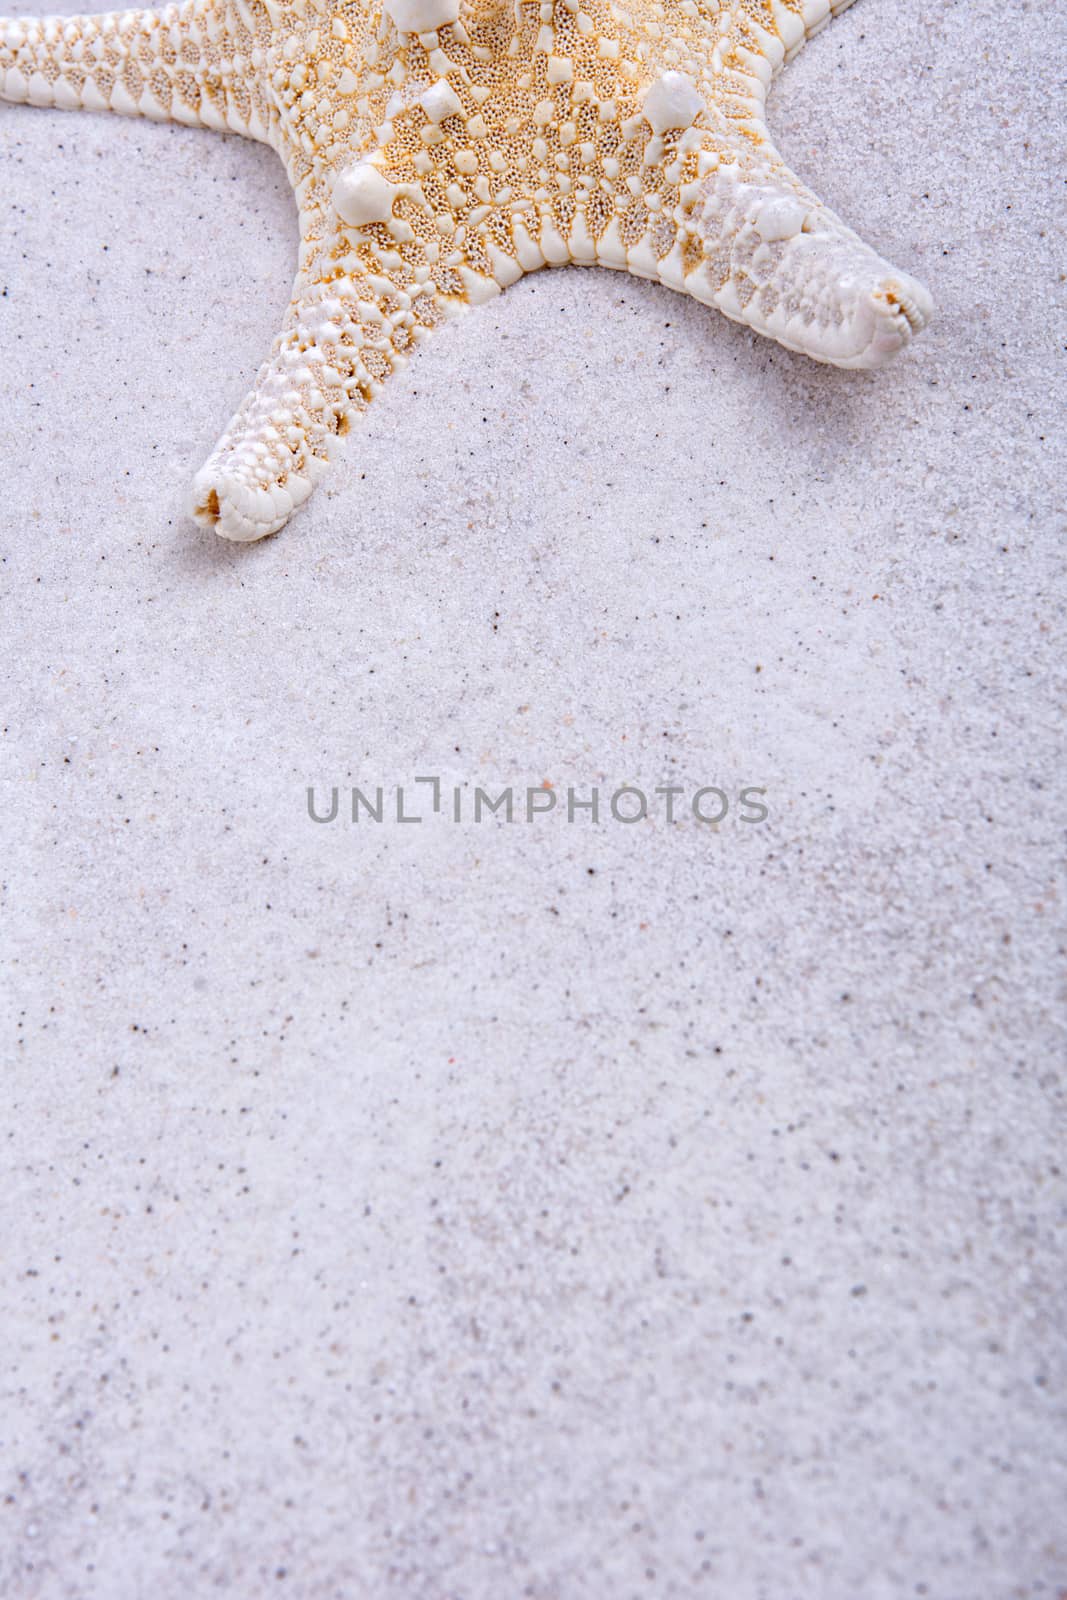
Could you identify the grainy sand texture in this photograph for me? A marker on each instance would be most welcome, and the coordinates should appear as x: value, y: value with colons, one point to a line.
x: 565, y: 1209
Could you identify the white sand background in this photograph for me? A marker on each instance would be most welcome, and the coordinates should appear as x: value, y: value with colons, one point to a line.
x: 594, y: 1212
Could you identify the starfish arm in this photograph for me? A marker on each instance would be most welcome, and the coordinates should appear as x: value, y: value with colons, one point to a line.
x: 348, y: 326
x: 176, y: 64
x: 757, y: 244
x: 760, y: 245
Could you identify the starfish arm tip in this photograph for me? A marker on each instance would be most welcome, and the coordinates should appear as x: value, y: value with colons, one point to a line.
x: 874, y: 313
x: 775, y: 258
x: 900, y: 308
x: 239, y: 510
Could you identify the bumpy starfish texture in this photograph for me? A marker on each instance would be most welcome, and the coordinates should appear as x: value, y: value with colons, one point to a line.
x: 439, y: 149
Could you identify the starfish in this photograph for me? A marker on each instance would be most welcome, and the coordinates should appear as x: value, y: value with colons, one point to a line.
x: 440, y: 149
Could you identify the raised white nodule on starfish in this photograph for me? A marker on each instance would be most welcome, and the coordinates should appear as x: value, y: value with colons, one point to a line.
x: 439, y: 149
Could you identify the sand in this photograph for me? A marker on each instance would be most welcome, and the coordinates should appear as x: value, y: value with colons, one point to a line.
x: 472, y: 1210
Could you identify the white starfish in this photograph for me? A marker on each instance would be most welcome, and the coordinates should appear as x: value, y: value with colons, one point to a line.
x: 439, y: 149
